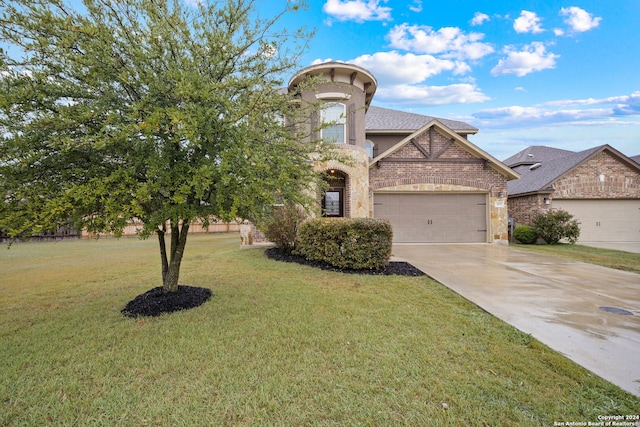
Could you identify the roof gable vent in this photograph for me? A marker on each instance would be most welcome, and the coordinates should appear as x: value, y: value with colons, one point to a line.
x: 535, y: 166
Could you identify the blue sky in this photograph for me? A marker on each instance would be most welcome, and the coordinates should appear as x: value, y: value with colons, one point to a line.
x: 565, y: 74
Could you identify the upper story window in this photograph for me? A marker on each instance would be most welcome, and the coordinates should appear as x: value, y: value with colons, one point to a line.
x: 336, y: 119
x: 370, y: 147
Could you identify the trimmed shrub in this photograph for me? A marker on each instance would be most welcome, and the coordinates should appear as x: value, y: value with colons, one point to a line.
x: 281, y: 226
x: 525, y: 234
x: 356, y: 243
x: 557, y: 225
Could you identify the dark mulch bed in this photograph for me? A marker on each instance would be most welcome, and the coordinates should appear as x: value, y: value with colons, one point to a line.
x: 154, y: 302
x: 393, y: 268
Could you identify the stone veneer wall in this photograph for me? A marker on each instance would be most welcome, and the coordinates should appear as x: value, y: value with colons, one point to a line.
x: 357, y: 185
x: 620, y: 181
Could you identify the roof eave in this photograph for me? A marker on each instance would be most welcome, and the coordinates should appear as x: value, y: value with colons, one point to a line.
x: 411, y: 131
x: 544, y: 191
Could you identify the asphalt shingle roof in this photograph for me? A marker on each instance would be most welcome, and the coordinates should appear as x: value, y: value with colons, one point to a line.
x: 378, y: 118
x: 535, y: 154
x: 636, y: 158
x: 550, y: 169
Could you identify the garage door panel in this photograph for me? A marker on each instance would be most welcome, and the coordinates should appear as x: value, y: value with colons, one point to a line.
x: 434, y: 218
x: 604, y: 220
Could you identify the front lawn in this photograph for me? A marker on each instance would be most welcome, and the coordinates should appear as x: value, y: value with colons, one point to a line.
x: 611, y: 258
x: 277, y: 344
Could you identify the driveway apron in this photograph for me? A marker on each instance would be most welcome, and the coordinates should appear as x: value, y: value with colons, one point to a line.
x: 591, y: 314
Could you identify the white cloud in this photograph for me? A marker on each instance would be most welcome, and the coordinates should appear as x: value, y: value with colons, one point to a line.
x: 582, y: 112
x: 479, y: 18
x: 400, y: 77
x: 620, y: 105
x: 14, y: 72
x: 450, y: 42
x: 590, y: 101
x: 322, y: 61
x: 579, y: 19
x: 392, y: 68
x: 528, y: 22
x: 417, y: 6
x: 422, y: 95
x: 357, y: 10
x: 538, y: 114
x: 533, y: 57
x: 629, y: 106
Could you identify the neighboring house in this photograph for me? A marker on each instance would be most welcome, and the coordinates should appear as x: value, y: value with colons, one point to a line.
x: 420, y: 172
x: 600, y: 187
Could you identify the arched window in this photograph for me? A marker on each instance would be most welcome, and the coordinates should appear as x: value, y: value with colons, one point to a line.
x: 334, y: 120
x: 368, y: 145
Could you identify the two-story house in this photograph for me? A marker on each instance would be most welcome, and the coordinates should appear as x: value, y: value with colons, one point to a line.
x: 420, y: 172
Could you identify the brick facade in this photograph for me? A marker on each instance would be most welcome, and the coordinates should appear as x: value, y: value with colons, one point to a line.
x: 524, y: 209
x: 452, y: 166
x: 601, y: 177
x: 448, y: 169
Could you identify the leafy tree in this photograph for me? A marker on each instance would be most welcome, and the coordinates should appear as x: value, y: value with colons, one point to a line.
x: 554, y: 226
x: 147, y: 109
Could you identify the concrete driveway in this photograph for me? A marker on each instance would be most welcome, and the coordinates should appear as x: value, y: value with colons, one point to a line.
x: 555, y: 300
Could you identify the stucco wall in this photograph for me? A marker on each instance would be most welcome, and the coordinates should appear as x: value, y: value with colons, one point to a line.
x: 386, y: 141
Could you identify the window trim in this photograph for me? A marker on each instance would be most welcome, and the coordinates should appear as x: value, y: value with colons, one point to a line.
x: 341, y: 121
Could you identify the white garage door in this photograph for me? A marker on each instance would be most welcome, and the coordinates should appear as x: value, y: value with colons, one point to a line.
x: 434, y: 218
x: 604, y: 220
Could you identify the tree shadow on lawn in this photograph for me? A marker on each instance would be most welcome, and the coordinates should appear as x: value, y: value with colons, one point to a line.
x: 154, y: 302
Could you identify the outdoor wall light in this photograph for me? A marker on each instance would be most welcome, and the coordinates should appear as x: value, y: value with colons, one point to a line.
x: 547, y: 201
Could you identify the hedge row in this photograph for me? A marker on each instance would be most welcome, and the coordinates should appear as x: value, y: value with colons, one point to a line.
x: 357, y: 243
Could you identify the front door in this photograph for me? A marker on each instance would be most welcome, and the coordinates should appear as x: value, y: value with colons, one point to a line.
x: 333, y: 202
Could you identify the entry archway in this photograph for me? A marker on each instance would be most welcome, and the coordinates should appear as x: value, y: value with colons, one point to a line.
x: 333, y: 200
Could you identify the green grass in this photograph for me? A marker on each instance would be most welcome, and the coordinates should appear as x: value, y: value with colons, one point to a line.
x: 278, y: 344
x: 611, y: 258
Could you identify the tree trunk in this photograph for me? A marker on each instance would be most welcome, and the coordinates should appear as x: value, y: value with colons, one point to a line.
x: 171, y: 261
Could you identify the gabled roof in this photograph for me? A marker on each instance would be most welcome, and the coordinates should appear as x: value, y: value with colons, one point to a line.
x: 384, y: 119
x: 548, y: 165
x: 464, y: 143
